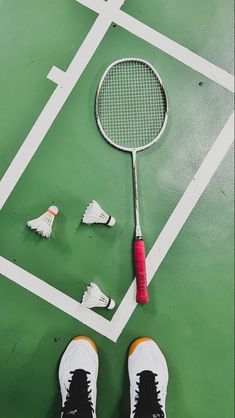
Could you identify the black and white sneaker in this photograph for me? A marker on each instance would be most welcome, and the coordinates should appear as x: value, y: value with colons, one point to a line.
x: 78, y: 374
x: 148, y: 374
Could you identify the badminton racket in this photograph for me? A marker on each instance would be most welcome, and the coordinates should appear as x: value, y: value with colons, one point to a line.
x: 131, y: 113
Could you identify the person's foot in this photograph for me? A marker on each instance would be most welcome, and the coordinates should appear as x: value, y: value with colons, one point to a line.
x: 148, y: 375
x: 78, y: 374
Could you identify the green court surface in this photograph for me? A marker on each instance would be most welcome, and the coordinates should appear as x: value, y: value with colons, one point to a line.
x: 190, y: 313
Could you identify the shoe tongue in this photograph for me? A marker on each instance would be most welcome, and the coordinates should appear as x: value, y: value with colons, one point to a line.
x: 71, y: 413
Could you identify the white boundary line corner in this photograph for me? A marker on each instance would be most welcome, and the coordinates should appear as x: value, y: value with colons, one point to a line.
x: 54, y: 296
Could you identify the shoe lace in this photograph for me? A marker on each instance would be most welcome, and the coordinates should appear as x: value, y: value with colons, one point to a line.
x: 147, y: 397
x: 78, y: 402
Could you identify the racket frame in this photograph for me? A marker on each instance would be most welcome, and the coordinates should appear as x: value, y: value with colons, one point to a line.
x: 128, y: 149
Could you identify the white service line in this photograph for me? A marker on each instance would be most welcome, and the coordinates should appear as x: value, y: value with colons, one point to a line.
x: 54, y: 296
x: 66, y: 82
x: 175, y: 223
x: 170, y: 47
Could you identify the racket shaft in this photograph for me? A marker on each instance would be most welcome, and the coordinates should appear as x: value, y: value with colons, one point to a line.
x: 140, y: 268
x: 138, y: 233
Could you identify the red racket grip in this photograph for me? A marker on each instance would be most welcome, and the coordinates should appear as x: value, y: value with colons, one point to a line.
x: 140, y: 269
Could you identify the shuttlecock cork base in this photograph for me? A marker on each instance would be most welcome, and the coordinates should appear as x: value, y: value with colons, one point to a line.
x: 43, y: 224
x: 94, y: 214
x: 95, y: 298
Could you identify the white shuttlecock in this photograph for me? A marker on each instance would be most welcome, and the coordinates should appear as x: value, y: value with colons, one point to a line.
x: 94, y: 298
x: 43, y: 224
x: 94, y: 214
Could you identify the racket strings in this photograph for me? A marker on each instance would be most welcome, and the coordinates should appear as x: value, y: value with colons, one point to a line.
x: 131, y: 104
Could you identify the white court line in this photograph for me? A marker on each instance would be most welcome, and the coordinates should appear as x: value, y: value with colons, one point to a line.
x: 175, y: 223
x: 54, y: 296
x: 56, y: 102
x: 66, y: 82
x: 112, y: 329
x: 56, y: 75
x: 172, y: 48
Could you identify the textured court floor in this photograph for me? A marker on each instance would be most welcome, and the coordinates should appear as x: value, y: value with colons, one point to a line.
x: 190, y: 313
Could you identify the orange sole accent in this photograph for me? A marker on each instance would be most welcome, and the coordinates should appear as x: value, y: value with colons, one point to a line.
x: 88, y: 340
x: 136, y: 343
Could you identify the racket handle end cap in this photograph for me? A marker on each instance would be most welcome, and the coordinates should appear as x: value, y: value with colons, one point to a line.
x: 142, y: 299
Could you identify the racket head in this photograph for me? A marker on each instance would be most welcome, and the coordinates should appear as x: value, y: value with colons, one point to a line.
x: 131, y: 105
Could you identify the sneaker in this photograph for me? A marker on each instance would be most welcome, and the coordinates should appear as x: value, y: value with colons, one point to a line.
x: 148, y: 376
x: 78, y: 374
